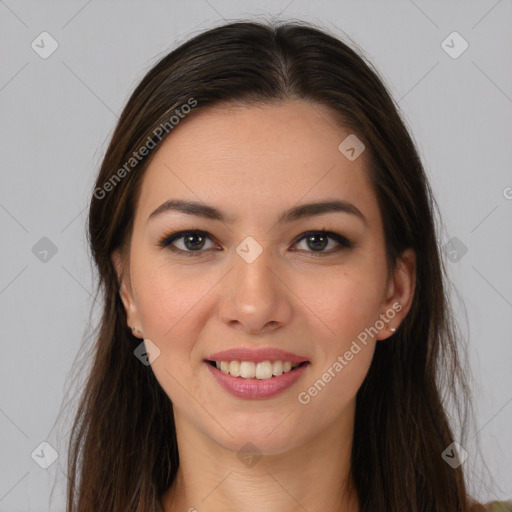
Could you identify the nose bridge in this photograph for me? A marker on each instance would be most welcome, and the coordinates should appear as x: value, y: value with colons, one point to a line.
x: 256, y: 297
x: 254, y: 280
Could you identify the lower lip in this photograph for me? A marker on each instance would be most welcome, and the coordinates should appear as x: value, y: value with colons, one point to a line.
x: 257, y: 388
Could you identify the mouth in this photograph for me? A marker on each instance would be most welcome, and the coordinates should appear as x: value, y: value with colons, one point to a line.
x: 257, y: 380
x: 263, y: 370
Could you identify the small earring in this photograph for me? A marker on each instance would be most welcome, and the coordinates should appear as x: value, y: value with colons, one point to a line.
x: 134, y: 329
x: 392, y: 329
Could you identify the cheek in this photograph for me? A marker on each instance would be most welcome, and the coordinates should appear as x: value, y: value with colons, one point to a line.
x: 345, y: 301
x: 170, y: 302
x: 172, y: 306
x: 348, y: 305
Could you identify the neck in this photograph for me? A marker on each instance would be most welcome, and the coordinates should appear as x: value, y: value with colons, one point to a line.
x: 313, y: 476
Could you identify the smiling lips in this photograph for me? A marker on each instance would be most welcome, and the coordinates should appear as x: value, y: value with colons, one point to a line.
x: 256, y: 374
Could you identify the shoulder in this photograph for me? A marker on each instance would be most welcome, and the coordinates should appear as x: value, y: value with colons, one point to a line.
x: 500, y: 506
x: 493, y: 506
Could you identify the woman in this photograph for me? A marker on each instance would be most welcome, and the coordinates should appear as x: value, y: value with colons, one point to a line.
x: 275, y: 319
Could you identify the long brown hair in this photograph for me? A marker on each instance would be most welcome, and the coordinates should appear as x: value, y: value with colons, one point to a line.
x: 123, y: 453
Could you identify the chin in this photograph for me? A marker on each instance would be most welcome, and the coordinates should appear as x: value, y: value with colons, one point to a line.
x: 269, y: 434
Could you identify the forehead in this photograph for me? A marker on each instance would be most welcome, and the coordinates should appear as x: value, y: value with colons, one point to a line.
x: 253, y: 159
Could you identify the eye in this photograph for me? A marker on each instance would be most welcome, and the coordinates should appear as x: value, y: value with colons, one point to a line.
x: 319, y: 240
x: 193, y: 241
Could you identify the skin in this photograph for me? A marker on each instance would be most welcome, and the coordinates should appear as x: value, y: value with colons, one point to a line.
x: 254, y: 162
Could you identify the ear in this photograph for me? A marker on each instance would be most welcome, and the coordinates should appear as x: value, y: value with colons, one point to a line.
x: 399, y: 293
x: 126, y: 293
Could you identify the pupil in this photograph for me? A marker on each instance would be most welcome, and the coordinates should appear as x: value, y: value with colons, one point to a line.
x: 190, y: 238
x: 316, y: 245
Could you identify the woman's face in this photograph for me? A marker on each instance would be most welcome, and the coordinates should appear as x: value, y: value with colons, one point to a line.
x: 256, y: 279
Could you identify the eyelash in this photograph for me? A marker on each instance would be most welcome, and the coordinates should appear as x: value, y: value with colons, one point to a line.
x: 166, y: 242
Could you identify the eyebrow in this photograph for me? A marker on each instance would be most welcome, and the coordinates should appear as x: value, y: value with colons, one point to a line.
x: 291, y: 215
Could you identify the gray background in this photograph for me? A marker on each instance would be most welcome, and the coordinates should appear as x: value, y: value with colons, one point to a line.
x: 58, y: 113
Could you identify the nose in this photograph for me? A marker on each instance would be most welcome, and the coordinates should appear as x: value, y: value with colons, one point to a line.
x: 256, y: 299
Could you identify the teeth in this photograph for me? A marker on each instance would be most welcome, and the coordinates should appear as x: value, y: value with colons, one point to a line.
x: 277, y: 368
x: 264, y: 370
x: 234, y: 368
x: 247, y: 369
x: 250, y: 370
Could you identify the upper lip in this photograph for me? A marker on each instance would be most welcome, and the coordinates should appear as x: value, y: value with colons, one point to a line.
x: 256, y: 355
